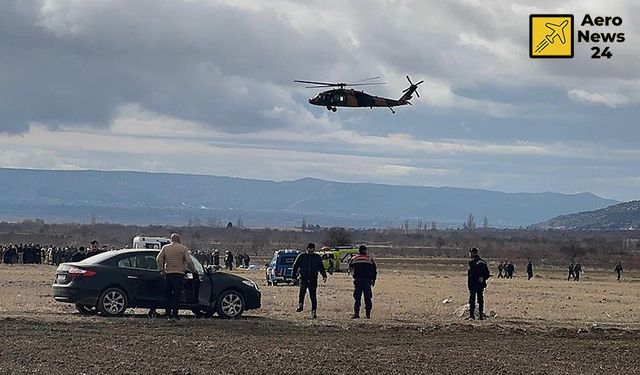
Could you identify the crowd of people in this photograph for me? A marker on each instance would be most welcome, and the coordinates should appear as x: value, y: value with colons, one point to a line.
x: 231, y: 260
x: 47, y: 254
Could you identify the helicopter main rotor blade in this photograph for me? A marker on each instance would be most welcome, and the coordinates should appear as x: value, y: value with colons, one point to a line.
x: 320, y: 83
x: 366, y: 84
x: 367, y: 79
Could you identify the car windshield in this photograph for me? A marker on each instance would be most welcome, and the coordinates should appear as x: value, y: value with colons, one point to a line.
x: 287, y: 260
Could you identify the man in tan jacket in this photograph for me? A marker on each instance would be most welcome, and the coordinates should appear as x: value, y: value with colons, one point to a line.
x: 173, y: 261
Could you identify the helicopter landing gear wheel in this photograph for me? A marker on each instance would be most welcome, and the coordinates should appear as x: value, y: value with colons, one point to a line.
x: 334, y: 109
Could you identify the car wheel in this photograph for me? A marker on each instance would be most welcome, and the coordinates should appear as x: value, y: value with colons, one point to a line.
x: 230, y: 304
x: 112, y: 302
x: 85, y: 309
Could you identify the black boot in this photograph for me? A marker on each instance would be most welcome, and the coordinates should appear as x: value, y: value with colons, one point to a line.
x: 299, y: 309
x: 356, y: 314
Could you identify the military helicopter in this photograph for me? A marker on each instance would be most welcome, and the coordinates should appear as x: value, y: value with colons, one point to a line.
x: 347, y: 97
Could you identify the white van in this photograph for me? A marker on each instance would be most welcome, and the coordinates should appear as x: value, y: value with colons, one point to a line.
x: 144, y: 242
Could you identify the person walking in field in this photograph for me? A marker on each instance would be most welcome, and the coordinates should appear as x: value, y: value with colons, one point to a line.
x: 173, y: 260
x: 500, y: 270
x: 308, y: 264
x: 477, y: 276
x: 364, y: 272
x: 529, y: 270
x: 511, y: 269
x: 572, y: 275
x: 618, y: 270
x: 577, y: 269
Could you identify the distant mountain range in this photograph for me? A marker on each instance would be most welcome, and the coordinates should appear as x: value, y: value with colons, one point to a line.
x: 164, y: 198
x: 623, y: 216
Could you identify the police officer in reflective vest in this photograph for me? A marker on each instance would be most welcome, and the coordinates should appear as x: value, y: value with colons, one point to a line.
x: 477, y: 276
x: 364, y: 272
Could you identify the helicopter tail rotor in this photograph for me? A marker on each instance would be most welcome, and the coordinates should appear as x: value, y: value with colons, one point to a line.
x: 408, y: 92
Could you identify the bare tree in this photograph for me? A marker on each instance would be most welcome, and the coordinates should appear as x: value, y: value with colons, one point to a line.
x: 485, y: 223
x: 338, y: 236
x: 470, y: 224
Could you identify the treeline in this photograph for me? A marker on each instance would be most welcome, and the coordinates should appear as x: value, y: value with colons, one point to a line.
x: 550, y: 246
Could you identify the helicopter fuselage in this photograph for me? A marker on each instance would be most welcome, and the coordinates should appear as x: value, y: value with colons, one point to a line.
x: 353, y: 98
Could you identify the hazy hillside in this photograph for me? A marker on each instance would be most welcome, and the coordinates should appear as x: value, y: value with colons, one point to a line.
x: 620, y: 216
x: 134, y: 197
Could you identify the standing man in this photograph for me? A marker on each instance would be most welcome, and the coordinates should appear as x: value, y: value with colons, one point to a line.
x: 79, y: 255
x: 94, y: 249
x: 577, y: 269
x: 510, y: 270
x: 500, y: 269
x: 309, y: 264
x: 364, y: 272
x: 618, y: 270
x: 529, y: 270
x: 216, y: 258
x: 477, y: 276
x: 172, y: 261
x: 571, y: 273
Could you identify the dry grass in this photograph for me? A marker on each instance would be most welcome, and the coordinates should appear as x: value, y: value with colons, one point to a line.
x: 408, y: 291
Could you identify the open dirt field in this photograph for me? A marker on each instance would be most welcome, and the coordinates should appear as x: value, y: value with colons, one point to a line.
x: 543, y: 326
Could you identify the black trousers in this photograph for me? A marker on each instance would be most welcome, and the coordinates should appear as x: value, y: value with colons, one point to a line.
x: 172, y: 292
x: 312, y: 285
x: 476, y: 292
x: 362, y: 286
x: 529, y: 275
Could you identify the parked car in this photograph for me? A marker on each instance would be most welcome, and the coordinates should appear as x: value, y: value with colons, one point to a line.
x: 280, y: 268
x: 111, y: 282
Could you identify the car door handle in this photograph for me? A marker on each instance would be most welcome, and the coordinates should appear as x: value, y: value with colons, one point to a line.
x: 131, y: 277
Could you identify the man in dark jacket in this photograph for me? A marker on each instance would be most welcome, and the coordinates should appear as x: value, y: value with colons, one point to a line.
x: 79, y: 255
x: 529, y: 270
x: 618, y: 270
x: 364, y: 272
x: 309, y: 264
x: 477, y: 276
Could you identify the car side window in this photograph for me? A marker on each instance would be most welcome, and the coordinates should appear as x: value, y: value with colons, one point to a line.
x: 146, y: 262
x: 127, y: 262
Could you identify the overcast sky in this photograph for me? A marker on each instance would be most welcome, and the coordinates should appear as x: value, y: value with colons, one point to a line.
x: 204, y: 86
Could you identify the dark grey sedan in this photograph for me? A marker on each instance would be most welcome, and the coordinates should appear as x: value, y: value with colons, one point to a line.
x: 113, y: 281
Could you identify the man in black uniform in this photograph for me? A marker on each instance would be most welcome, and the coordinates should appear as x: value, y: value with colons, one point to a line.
x: 309, y: 264
x: 577, y: 270
x: 477, y: 276
x: 529, y: 270
x: 216, y: 258
x: 618, y: 270
x: 364, y: 272
x: 571, y: 273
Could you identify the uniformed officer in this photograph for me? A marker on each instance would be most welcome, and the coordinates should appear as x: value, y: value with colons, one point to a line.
x: 618, y: 270
x: 364, y: 272
x: 529, y: 270
x: 577, y: 270
x: 477, y: 276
